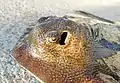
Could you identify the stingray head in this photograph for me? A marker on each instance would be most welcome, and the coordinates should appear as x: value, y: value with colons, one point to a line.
x: 55, y: 45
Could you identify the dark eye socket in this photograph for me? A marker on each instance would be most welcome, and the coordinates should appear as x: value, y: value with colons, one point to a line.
x: 63, y: 38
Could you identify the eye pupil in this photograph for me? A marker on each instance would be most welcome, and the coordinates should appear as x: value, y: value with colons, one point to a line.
x: 53, y: 39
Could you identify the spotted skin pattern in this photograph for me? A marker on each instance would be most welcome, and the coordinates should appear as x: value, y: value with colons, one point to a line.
x: 58, y: 50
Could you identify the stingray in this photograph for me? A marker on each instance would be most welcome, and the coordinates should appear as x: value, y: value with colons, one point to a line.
x: 70, y: 49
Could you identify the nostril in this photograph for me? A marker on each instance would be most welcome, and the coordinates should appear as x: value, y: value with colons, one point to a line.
x: 63, y: 38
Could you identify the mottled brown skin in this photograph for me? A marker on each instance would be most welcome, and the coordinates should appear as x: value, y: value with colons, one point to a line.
x: 43, y: 55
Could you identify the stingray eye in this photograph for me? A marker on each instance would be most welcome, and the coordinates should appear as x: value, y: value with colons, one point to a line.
x: 52, y: 37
